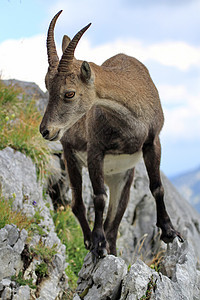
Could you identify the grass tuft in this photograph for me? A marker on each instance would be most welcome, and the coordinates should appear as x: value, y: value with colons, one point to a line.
x: 21, y: 281
x: 8, y: 216
x: 156, y: 261
x: 19, y: 127
x: 45, y: 253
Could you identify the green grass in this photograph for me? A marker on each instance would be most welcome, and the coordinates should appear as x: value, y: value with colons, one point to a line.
x: 70, y: 234
x: 19, y: 127
x: 45, y: 253
x: 41, y: 270
x: 21, y: 281
x: 8, y: 216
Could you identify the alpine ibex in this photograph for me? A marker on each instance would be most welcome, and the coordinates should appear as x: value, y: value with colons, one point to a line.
x: 107, y: 117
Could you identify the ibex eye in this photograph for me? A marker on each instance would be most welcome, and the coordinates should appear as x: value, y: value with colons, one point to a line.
x: 69, y: 95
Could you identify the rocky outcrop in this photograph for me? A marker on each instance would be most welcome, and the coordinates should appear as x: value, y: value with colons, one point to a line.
x: 103, y: 280
x: 19, y: 182
x: 109, y: 279
x: 12, y: 242
x: 138, y: 225
x: 14, y: 259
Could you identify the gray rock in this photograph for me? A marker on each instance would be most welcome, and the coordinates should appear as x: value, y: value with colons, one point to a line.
x: 183, y: 282
x: 179, y: 277
x: 6, y: 282
x: 10, y: 262
x: 3, y: 237
x: 87, y: 267
x: 52, y: 287
x: 19, y: 245
x: 22, y: 293
x: 103, y: 280
x: 6, y: 295
x: 76, y: 297
x: 139, y: 236
x: 13, y: 234
x: 135, y: 282
x: 59, y: 263
x: 18, y: 178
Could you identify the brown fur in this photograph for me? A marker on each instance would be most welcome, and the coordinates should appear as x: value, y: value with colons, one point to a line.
x: 115, y: 111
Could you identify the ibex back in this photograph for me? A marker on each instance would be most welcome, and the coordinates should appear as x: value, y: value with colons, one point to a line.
x: 106, y: 117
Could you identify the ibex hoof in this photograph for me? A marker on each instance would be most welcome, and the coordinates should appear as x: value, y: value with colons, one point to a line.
x: 99, y: 251
x: 96, y: 256
x: 169, y: 234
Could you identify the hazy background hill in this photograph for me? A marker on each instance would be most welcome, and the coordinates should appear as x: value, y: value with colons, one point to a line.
x: 188, y: 185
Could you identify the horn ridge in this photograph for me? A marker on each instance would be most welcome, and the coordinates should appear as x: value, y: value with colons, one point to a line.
x: 53, y: 59
x: 68, y: 55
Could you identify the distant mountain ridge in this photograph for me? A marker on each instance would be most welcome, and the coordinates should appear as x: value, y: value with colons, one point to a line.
x: 188, y: 185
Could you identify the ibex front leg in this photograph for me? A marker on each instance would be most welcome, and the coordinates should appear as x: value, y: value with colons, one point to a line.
x: 78, y: 207
x: 95, y: 167
x: 152, y: 154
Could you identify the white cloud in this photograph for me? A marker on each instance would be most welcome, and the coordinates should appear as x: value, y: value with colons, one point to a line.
x: 175, y: 54
x: 182, y: 123
x: 24, y: 59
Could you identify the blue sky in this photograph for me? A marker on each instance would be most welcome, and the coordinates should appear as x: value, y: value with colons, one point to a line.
x: 163, y: 34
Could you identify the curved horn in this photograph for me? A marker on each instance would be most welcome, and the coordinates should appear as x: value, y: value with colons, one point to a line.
x: 51, y: 47
x: 68, y: 55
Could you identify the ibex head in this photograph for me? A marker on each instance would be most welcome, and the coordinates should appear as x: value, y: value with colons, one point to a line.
x: 70, y: 86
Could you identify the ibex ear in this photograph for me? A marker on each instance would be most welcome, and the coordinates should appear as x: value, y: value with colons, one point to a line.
x: 65, y: 42
x: 85, y: 71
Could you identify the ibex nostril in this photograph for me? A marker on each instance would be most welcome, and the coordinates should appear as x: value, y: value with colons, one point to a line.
x: 45, y: 134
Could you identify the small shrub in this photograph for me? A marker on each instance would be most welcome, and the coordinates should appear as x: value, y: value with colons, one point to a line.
x: 45, y: 253
x: 42, y: 270
x: 37, y: 216
x: 21, y: 281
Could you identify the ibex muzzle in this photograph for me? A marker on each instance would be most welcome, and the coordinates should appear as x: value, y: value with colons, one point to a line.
x: 106, y: 117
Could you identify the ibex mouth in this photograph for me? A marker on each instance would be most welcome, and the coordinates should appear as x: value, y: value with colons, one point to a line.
x: 55, y: 137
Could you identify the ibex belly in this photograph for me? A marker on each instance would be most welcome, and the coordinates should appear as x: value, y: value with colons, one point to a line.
x: 114, y: 164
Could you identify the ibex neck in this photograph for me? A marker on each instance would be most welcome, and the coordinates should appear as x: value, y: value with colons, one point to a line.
x: 111, y: 87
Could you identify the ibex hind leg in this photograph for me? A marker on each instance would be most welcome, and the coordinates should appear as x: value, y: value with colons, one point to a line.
x: 119, y: 186
x: 152, y: 153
